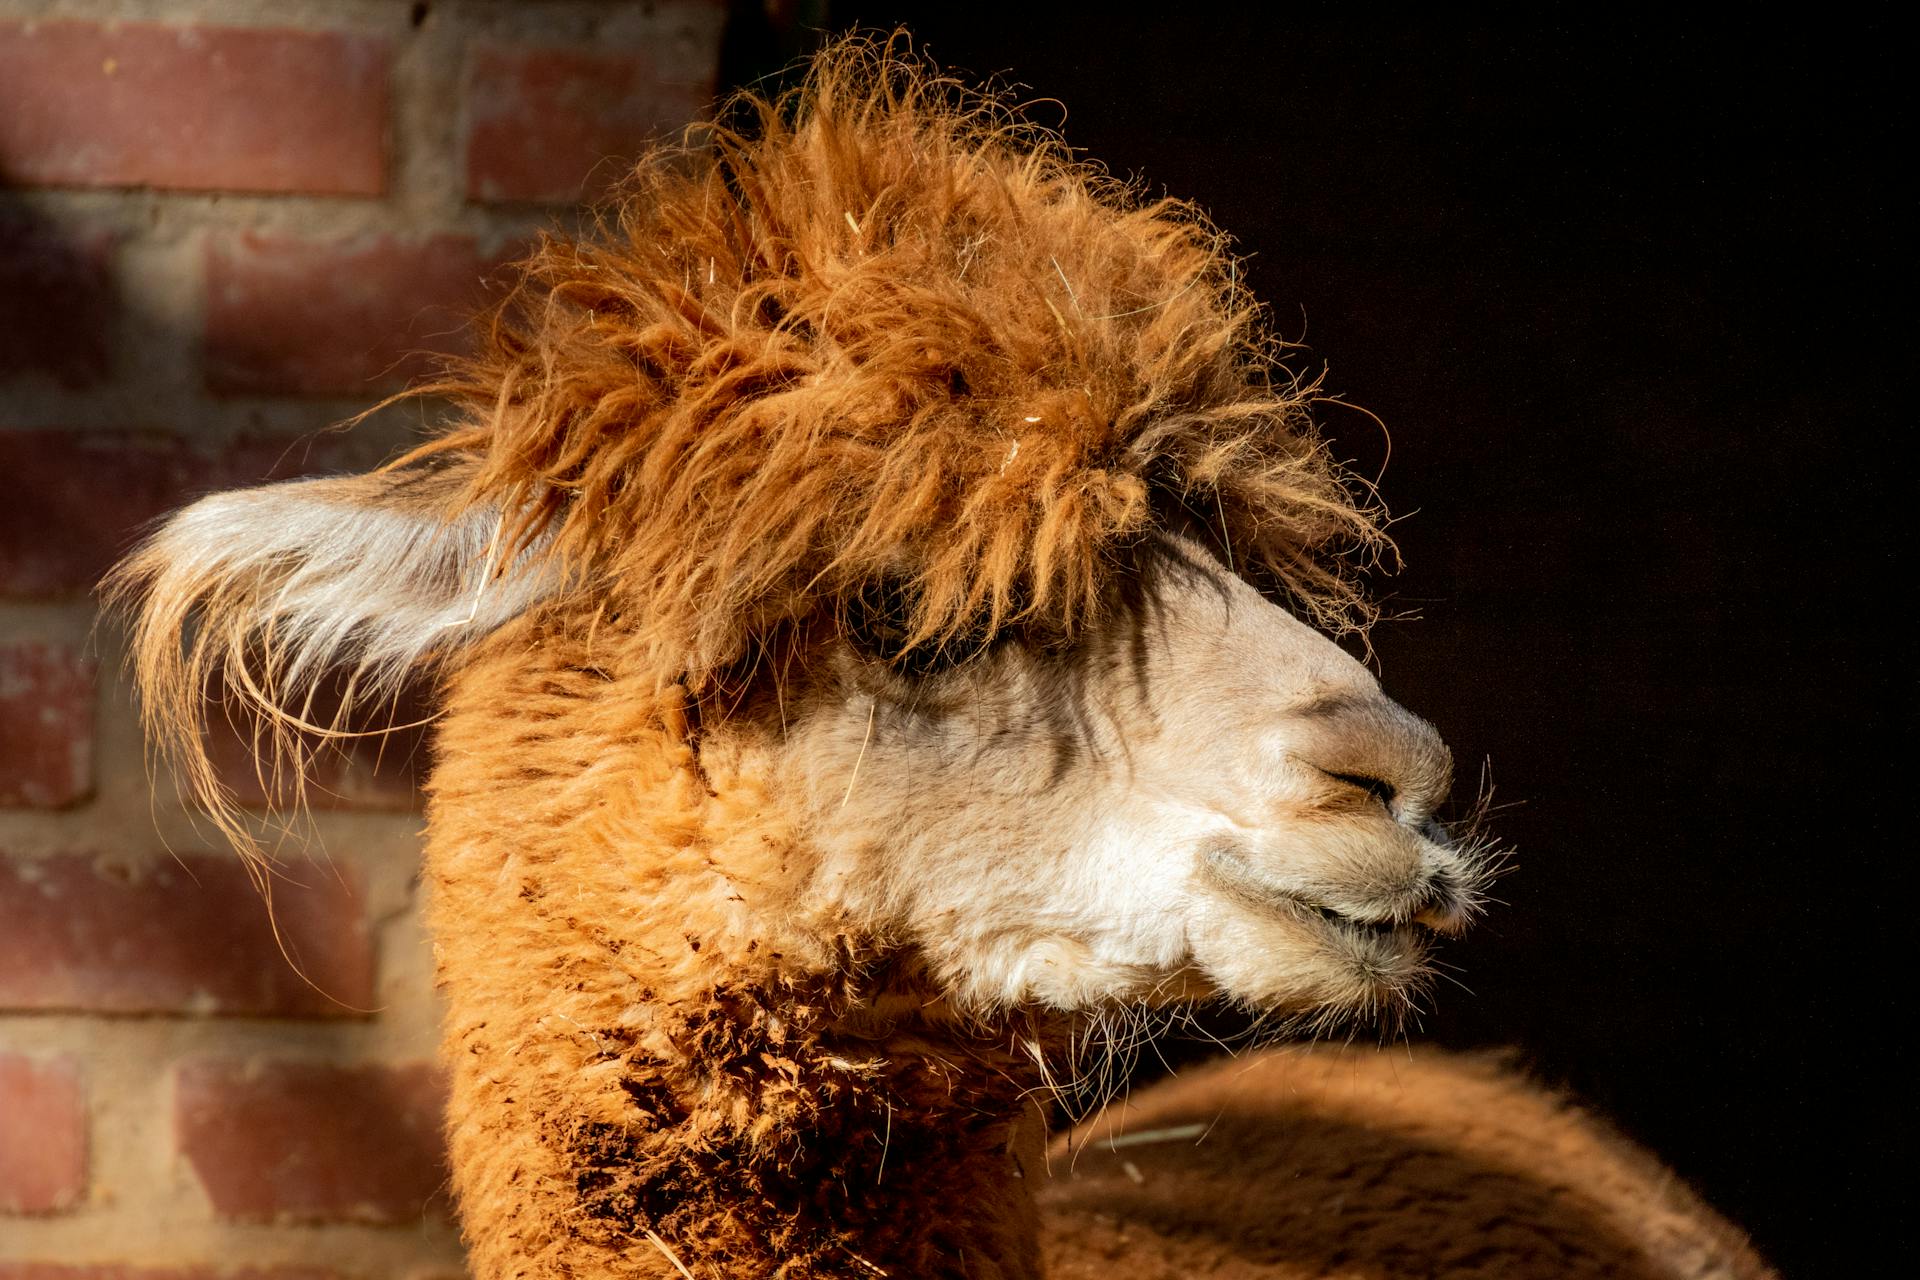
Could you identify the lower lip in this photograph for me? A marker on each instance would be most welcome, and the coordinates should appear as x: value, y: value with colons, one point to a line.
x: 1234, y: 874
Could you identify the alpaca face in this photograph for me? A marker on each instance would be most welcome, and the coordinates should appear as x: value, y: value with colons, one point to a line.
x: 1205, y: 797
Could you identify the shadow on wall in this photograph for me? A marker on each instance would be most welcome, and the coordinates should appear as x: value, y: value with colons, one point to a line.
x: 212, y: 1067
x: 177, y: 1069
x: 155, y: 348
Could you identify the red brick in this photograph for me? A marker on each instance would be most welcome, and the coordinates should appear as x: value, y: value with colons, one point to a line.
x: 544, y: 124
x: 46, y: 725
x: 78, y: 500
x: 289, y: 1141
x: 192, y: 108
x: 262, y: 459
x: 43, y: 1135
x: 75, y: 502
x: 130, y: 1271
x: 182, y: 935
x: 317, y: 317
x: 57, y: 300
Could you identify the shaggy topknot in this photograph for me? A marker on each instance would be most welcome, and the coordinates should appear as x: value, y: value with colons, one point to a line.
x: 890, y: 332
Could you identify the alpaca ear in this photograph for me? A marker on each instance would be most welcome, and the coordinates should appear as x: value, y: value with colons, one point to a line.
x: 263, y: 592
x: 373, y: 572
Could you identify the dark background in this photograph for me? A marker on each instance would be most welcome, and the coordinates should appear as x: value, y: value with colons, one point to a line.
x: 1623, y: 295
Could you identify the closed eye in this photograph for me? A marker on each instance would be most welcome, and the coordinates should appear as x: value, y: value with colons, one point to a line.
x: 877, y: 620
x: 1378, y: 788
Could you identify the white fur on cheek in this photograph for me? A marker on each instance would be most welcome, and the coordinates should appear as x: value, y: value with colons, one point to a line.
x: 1142, y: 823
x: 1117, y: 928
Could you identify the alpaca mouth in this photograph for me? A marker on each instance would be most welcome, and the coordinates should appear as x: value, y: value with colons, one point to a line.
x: 1350, y: 924
x: 1247, y: 884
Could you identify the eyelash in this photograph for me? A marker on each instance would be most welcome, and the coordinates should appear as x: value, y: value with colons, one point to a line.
x: 875, y: 619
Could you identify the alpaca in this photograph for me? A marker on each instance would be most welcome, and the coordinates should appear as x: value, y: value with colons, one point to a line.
x: 853, y: 578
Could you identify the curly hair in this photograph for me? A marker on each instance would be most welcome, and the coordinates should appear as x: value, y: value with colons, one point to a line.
x: 889, y: 330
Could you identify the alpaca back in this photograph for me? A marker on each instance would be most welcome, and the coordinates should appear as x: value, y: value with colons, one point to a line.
x: 1328, y: 1162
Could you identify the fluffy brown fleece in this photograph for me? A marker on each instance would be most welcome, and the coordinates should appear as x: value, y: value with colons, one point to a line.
x: 891, y: 332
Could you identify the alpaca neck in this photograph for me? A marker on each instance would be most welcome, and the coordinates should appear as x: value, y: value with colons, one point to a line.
x: 786, y: 1142
x: 666, y: 1054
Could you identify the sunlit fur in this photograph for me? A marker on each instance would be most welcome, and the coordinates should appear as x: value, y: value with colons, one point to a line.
x: 850, y: 585
x: 890, y: 331
x: 1164, y: 811
x: 262, y: 593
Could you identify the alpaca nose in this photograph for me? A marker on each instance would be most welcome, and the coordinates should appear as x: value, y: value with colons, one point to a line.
x: 1446, y: 903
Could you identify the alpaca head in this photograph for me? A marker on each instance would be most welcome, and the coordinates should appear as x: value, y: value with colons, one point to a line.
x: 1201, y: 795
x: 881, y: 455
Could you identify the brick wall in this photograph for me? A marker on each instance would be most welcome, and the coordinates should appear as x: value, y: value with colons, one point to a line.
x: 224, y: 225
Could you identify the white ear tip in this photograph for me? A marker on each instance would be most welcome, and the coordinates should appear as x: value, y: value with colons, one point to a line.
x: 354, y: 570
